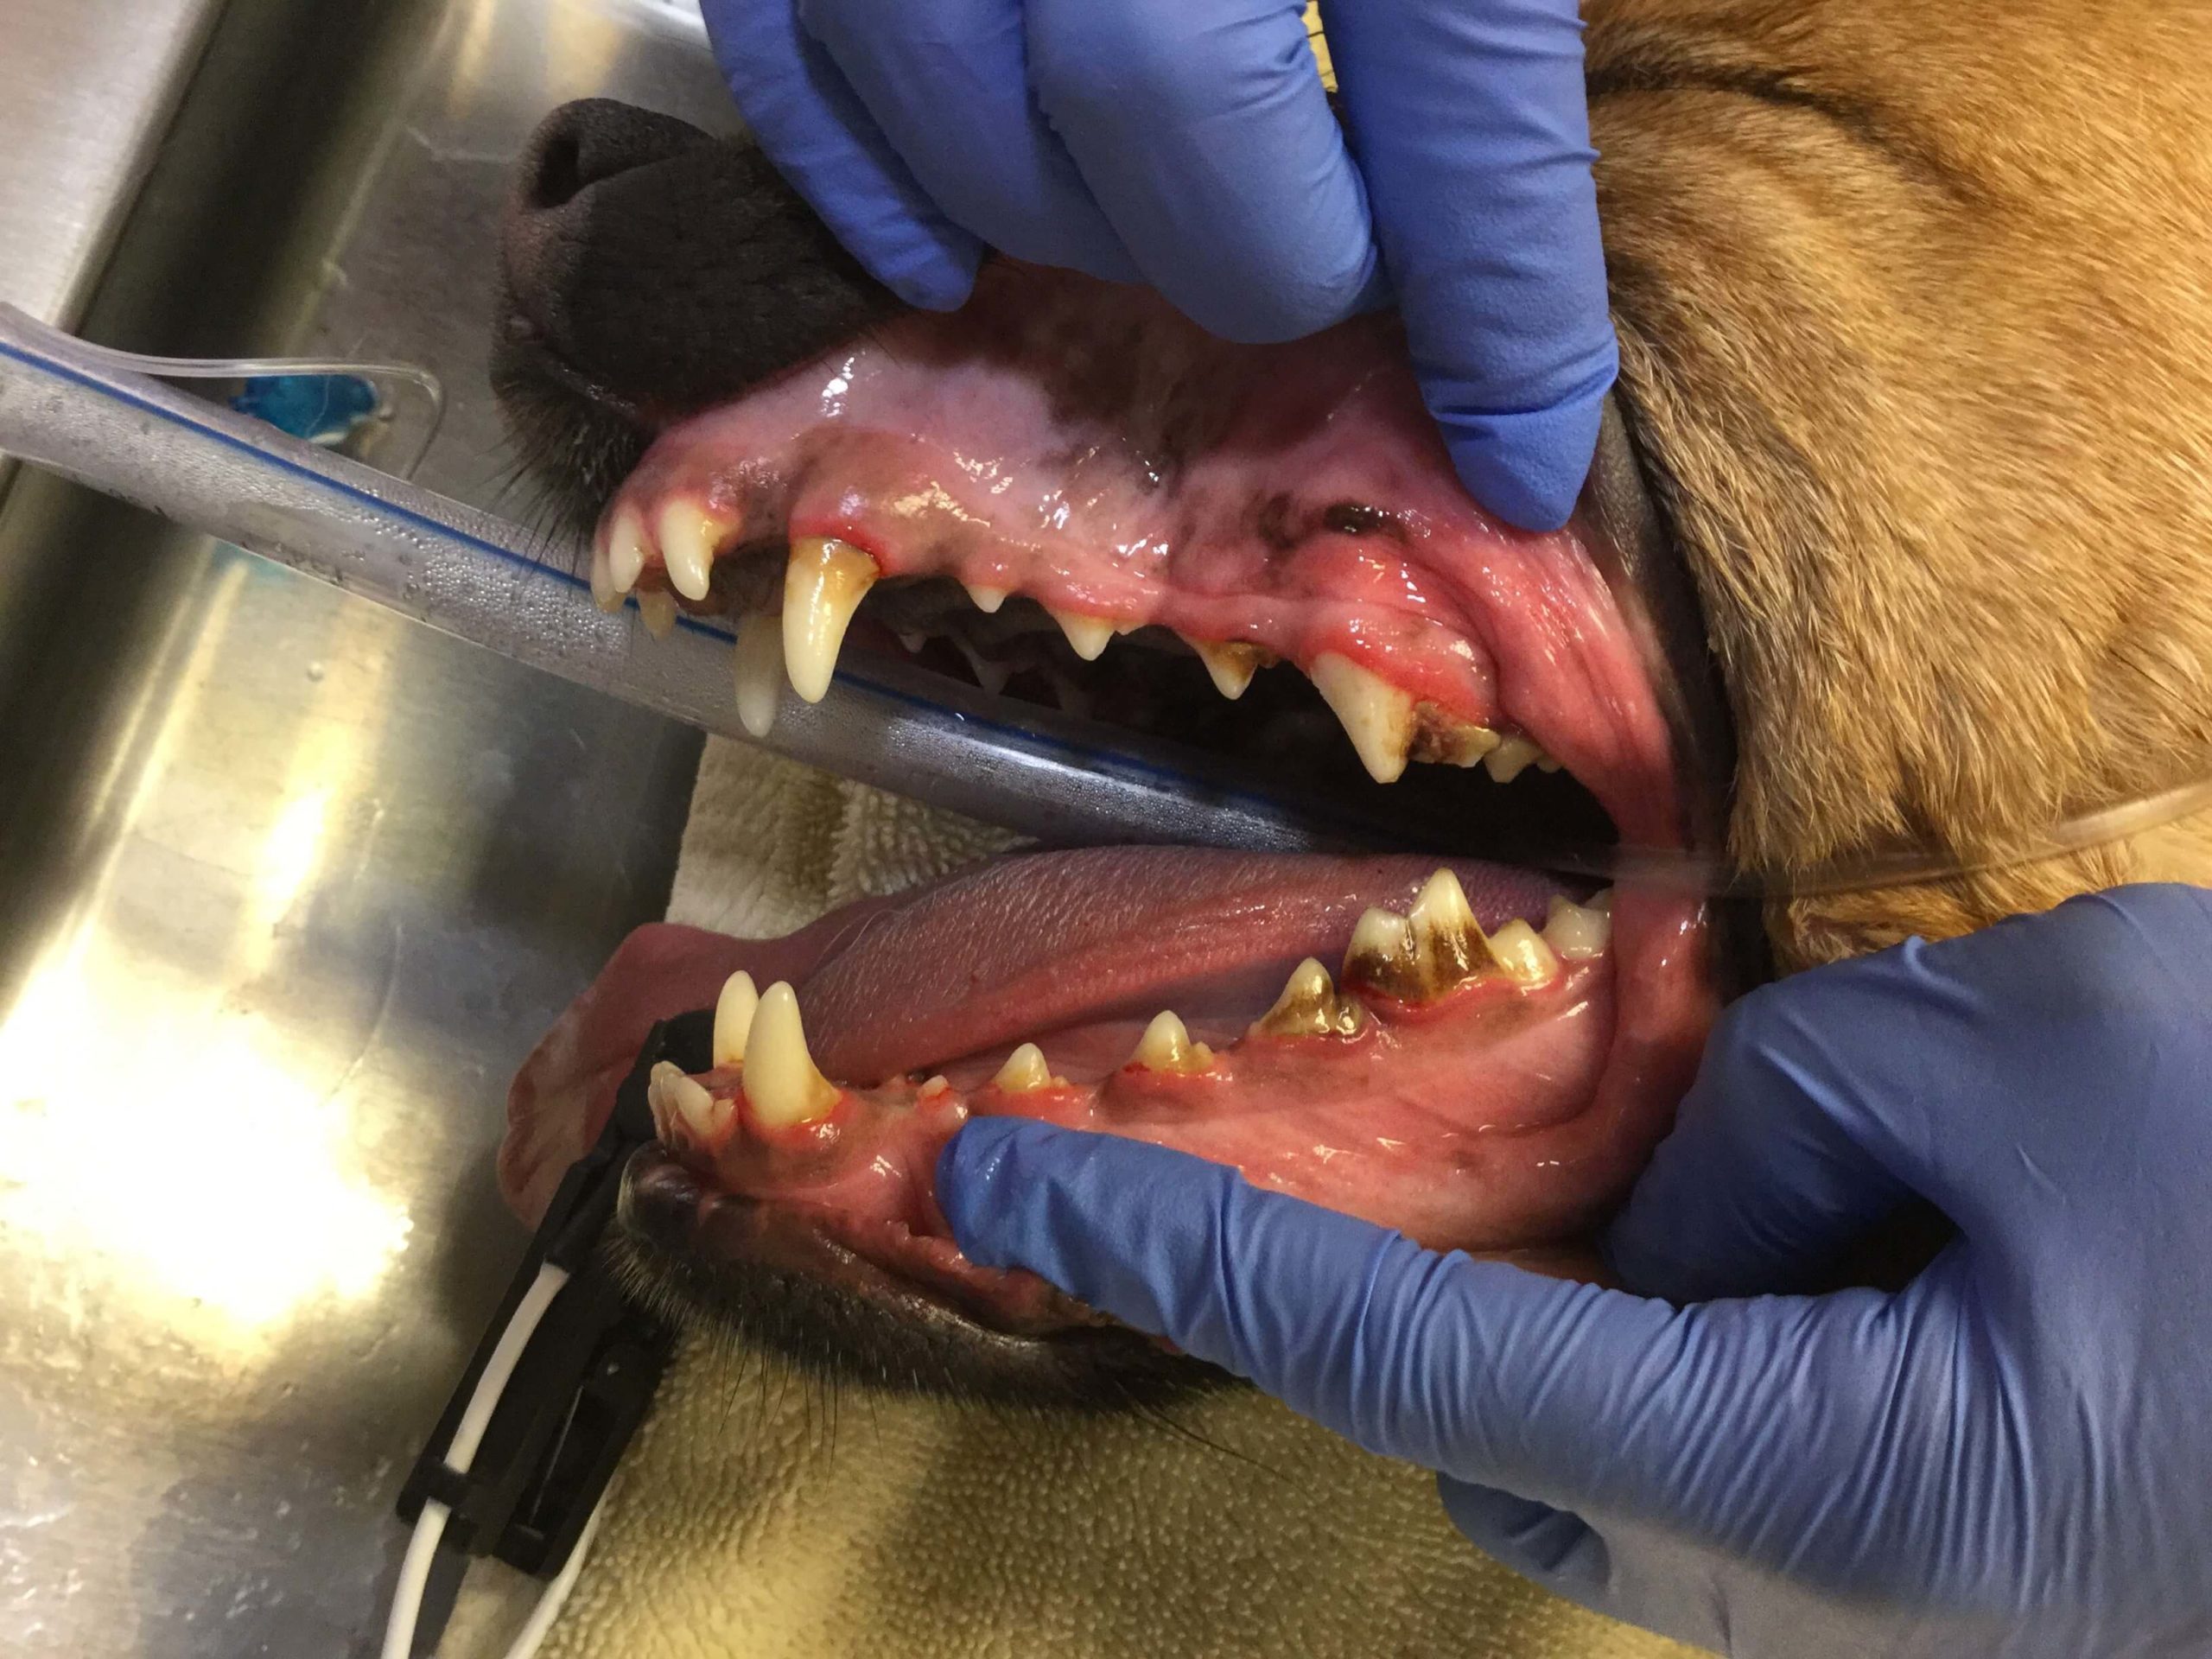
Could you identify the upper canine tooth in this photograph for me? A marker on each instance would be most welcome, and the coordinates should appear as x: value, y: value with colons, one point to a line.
x: 1025, y: 1069
x: 1309, y: 1007
x: 986, y: 600
x: 1510, y: 758
x: 687, y: 535
x: 824, y: 585
x: 1520, y: 951
x: 1087, y: 635
x: 1230, y: 661
x: 1576, y: 933
x: 780, y: 1078
x: 659, y: 610
x: 603, y: 581
x: 733, y: 1012
x: 760, y: 671
x: 1166, y: 1046
x: 688, y: 1101
x: 1376, y: 716
x: 625, y: 548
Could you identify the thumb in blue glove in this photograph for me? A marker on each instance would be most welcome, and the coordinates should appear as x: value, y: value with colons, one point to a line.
x: 2013, y: 1455
x: 1191, y: 147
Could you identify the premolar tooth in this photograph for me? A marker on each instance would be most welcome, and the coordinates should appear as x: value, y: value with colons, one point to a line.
x: 689, y: 1102
x: 1382, y: 952
x: 1231, y: 662
x: 780, y: 1077
x: 1575, y: 932
x: 824, y: 585
x: 1443, y: 739
x: 1088, y: 636
x: 1510, y: 758
x: 1166, y: 1046
x: 1445, y: 933
x: 1309, y: 1007
x: 1025, y: 1070
x: 659, y: 611
x: 985, y: 599
x: 1376, y: 716
x: 626, y: 549
x: 1520, y: 951
x: 759, y: 672
x: 991, y: 676
x: 733, y: 1012
x: 1601, y: 901
x: 687, y: 535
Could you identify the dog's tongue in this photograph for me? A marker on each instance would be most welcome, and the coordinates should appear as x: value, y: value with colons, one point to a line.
x: 1023, y: 947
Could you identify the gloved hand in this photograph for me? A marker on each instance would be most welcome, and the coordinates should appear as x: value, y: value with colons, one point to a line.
x: 1187, y: 143
x: 2011, y: 1456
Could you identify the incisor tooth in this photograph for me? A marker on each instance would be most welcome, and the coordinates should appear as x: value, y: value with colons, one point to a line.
x: 1230, y: 661
x: 986, y: 600
x: 1510, y: 758
x: 733, y: 1012
x: 1376, y: 715
x: 1520, y: 951
x: 780, y: 1078
x: 1087, y: 635
x: 659, y: 610
x: 687, y: 535
x: 1309, y: 1007
x: 824, y: 585
x: 1575, y: 932
x: 1166, y: 1046
x: 1025, y: 1069
x: 687, y: 1100
x: 626, y: 549
x: 759, y: 672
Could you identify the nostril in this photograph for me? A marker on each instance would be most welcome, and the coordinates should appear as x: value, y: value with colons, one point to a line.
x: 593, y: 140
x: 559, y: 175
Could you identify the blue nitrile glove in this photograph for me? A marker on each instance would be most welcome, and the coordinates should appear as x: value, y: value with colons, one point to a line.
x: 2011, y: 1456
x: 1188, y: 143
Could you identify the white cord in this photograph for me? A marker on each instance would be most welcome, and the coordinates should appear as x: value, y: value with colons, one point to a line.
x: 430, y: 1525
x: 556, y: 1594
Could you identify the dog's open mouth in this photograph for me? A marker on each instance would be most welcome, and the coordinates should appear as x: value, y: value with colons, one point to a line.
x: 1064, y: 492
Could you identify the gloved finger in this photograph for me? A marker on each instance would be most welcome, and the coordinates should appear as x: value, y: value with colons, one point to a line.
x: 1472, y: 129
x: 948, y: 83
x: 821, y: 138
x: 1204, y: 134
x: 1555, y: 1548
x: 1587, y: 1399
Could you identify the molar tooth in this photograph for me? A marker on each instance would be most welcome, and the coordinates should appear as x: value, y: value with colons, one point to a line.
x: 1376, y: 716
x: 1024, y: 1071
x: 985, y: 599
x: 733, y: 1012
x: 1577, y: 933
x: 687, y: 535
x: 689, y: 1102
x: 1520, y: 951
x: 625, y: 548
x: 1166, y: 1046
x: 1510, y: 758
x: 1230, y: 661
x: 1309, y: 1007
x: 824, y: 585
x: 1087, y: 635
x: 1444, y: 740
x: 659, y: 610
x: 759, y: 672
x: 780, y: 1077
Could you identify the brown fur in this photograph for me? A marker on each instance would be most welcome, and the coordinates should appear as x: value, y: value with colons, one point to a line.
x: 1914, y: 302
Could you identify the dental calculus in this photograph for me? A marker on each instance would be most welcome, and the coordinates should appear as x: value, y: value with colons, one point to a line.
x: 1439, y: 945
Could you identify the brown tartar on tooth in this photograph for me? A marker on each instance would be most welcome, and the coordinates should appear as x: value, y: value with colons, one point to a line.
x: 1439, y: 947
x: 824, y: 581
x: 1310, y: 1006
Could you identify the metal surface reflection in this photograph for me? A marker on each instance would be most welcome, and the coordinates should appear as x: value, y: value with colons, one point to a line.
x: 288, y: 884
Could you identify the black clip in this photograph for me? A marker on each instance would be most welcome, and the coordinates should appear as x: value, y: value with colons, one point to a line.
x: 585, y: 1378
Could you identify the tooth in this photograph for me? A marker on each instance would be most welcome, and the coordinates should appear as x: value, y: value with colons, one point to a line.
x: 687, y: 535
x: 986, y: 600
x: 1441, y: 906
x: 659, y: 611
x: 1446, y: 741
x: 602, y: 582
x: 626, y: 549
x: 1073, y: 698
x: 1577, y: 933
x: 991, y: 676
x: 910, y: 643
x: 1510, y: 758
x: 824, y: 585
x: 688, y: 1100
x: 1088, y: 635
x: 733, y: 1012
x: 1231, y: 664
x: 1309, y: 1007
x: 1376, y: 716
x: 1025, y: 1069
x: 933, y: 1088
x: 780, y: 1078
x: 1445, y: 931
x: 1602, y: 900
x: 759, y: 672
x: 1166, y: 1046
x: 1520, y: 951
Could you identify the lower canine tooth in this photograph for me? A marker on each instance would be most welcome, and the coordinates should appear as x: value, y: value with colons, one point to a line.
x: 1376, y: 716
x: 1576, y: 933
x: 1510, y: 758
x: 759, y: 672
x: 1520, y: 951
x: 1025, y: 1069
x: 1166, y: 1046
x: 1087, y: 635
x: 780, y: 1078
x: 733, y: 1012
x: 626, y: 549
x: 687, y: 1100
x: 824, y: 585
x: 659, y: 610
x: 1231, y: 664
x: 687, y: 535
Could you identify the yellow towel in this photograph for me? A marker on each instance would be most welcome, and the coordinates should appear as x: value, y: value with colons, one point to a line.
x: 758, y: 1518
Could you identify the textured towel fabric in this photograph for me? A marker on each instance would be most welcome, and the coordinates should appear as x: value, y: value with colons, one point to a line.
x: 759, y: 1517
